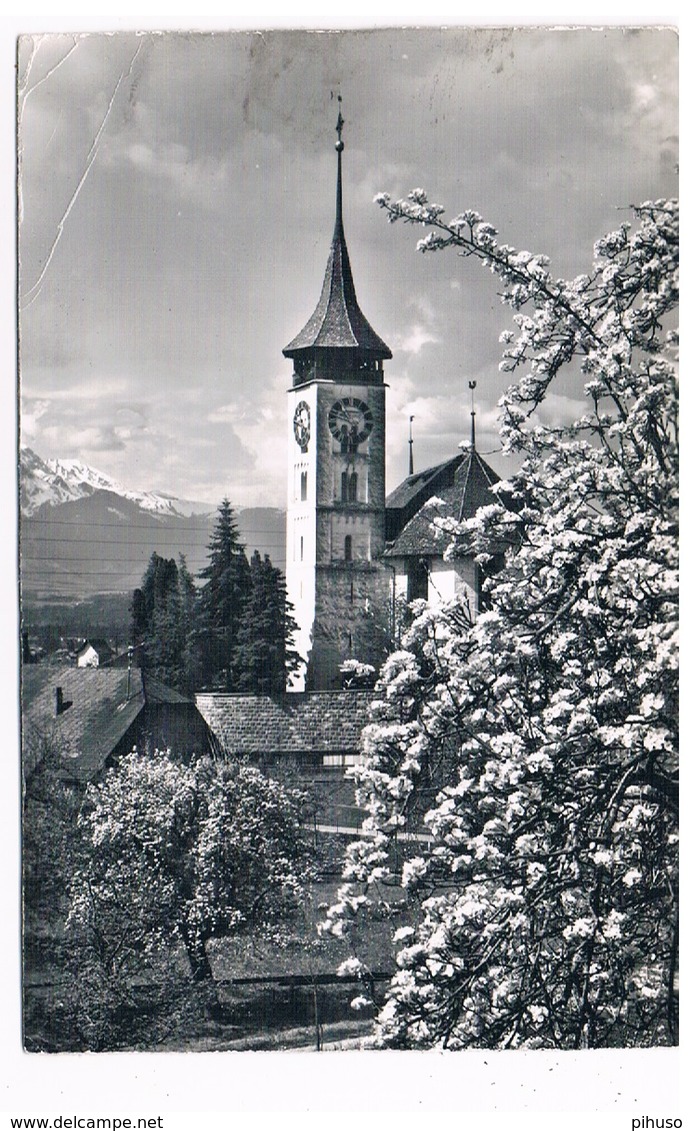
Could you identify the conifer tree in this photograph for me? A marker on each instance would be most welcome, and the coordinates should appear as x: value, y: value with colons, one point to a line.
x: 264, y: 657
x: 162, y: 619
x: 222, y: 601
x: 188, y: 656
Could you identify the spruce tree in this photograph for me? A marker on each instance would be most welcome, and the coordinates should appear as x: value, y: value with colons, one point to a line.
x: 221, y: 602
x: 264, y: 656
x: 188, y: 657
x: 163, y: 610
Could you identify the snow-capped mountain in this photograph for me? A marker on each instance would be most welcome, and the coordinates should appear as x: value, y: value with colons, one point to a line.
x: 56, y: 481
x: 83, y: 533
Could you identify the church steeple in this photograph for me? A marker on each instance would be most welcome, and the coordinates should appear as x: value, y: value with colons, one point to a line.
x: 335, y: 513
x: 337, y: 323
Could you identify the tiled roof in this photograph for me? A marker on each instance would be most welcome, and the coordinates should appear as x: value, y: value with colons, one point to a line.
x: 470, y: 490
x: 156, y: 692
x: 403, y: 502
x: 98, y: 716
x: 472, y: 486
x: 338, y: 322
x: 298, y: 723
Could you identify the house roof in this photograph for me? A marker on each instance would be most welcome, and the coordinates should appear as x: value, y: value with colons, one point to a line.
x: 324, y: 721
x: 337, y: 321
x: 97, y: 713
x: 469, y: 490
x: 156, y: 692
x: 99, y: 707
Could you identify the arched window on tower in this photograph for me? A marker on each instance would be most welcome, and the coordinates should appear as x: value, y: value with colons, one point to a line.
x: 349, y: 487
x: 303, y: 486
x: 348, y: 548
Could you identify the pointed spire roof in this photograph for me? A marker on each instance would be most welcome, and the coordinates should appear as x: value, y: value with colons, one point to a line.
x: 338, y: 322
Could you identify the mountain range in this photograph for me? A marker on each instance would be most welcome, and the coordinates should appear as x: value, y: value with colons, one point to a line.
x: 82, y: 533
x: 56, y: 481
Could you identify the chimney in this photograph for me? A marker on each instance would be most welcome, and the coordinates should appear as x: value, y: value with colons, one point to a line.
x: 61, y: 704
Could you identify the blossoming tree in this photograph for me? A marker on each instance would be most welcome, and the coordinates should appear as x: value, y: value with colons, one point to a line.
x: 532, y: 754
x: 183, y: 854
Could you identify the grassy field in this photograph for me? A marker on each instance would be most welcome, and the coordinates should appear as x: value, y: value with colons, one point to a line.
x: 275, y: 993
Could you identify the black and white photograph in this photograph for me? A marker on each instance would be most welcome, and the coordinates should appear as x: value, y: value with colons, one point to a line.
x: 348, y: 540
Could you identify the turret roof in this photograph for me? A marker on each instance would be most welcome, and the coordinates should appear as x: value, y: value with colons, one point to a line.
x: 471, y: 490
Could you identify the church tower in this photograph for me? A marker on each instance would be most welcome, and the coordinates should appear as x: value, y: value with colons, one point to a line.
x: 335, y: 524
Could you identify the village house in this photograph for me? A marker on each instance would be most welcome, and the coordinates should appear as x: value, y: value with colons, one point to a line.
x: 94, y: 654
x: 88, y: 717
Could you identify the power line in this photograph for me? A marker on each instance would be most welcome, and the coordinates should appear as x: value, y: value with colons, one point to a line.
x: 129, y: 525
x: 133, y: 545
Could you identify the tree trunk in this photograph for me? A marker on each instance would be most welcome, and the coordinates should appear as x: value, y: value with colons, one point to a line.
x: 200, y: 965
x: 318, y: 1027
x: 202, y: 974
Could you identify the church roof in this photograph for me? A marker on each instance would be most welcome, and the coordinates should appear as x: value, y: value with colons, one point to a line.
x: 469, y: 491
x: 416, y: 489
x: 337, y: 321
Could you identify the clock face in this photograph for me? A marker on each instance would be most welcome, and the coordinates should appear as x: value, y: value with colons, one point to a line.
x: 350, y: 421
x: 301, y: 425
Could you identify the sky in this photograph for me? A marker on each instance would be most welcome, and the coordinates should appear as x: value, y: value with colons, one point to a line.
x: 177, y: 203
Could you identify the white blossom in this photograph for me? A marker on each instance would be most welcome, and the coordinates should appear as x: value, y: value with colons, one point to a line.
x: 535, y: 750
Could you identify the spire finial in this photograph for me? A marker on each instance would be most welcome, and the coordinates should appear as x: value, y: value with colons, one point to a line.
x: 472, y: 385
x: 339, y: 147
x: 410, y: 445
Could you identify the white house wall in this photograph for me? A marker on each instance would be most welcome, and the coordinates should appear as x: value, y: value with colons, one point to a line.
x: 447, y: 581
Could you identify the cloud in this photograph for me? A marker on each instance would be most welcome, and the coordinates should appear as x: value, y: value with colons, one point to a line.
x: 99, y: 391
x: 83, y: 441
x: 423, y: 331
x: 417, y: 337
x: 225, y: 413
x: 557, y: 410
x: 192, y: 179
x: 32, y: 411
x: 259, y: 425
x: 197, y: 246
